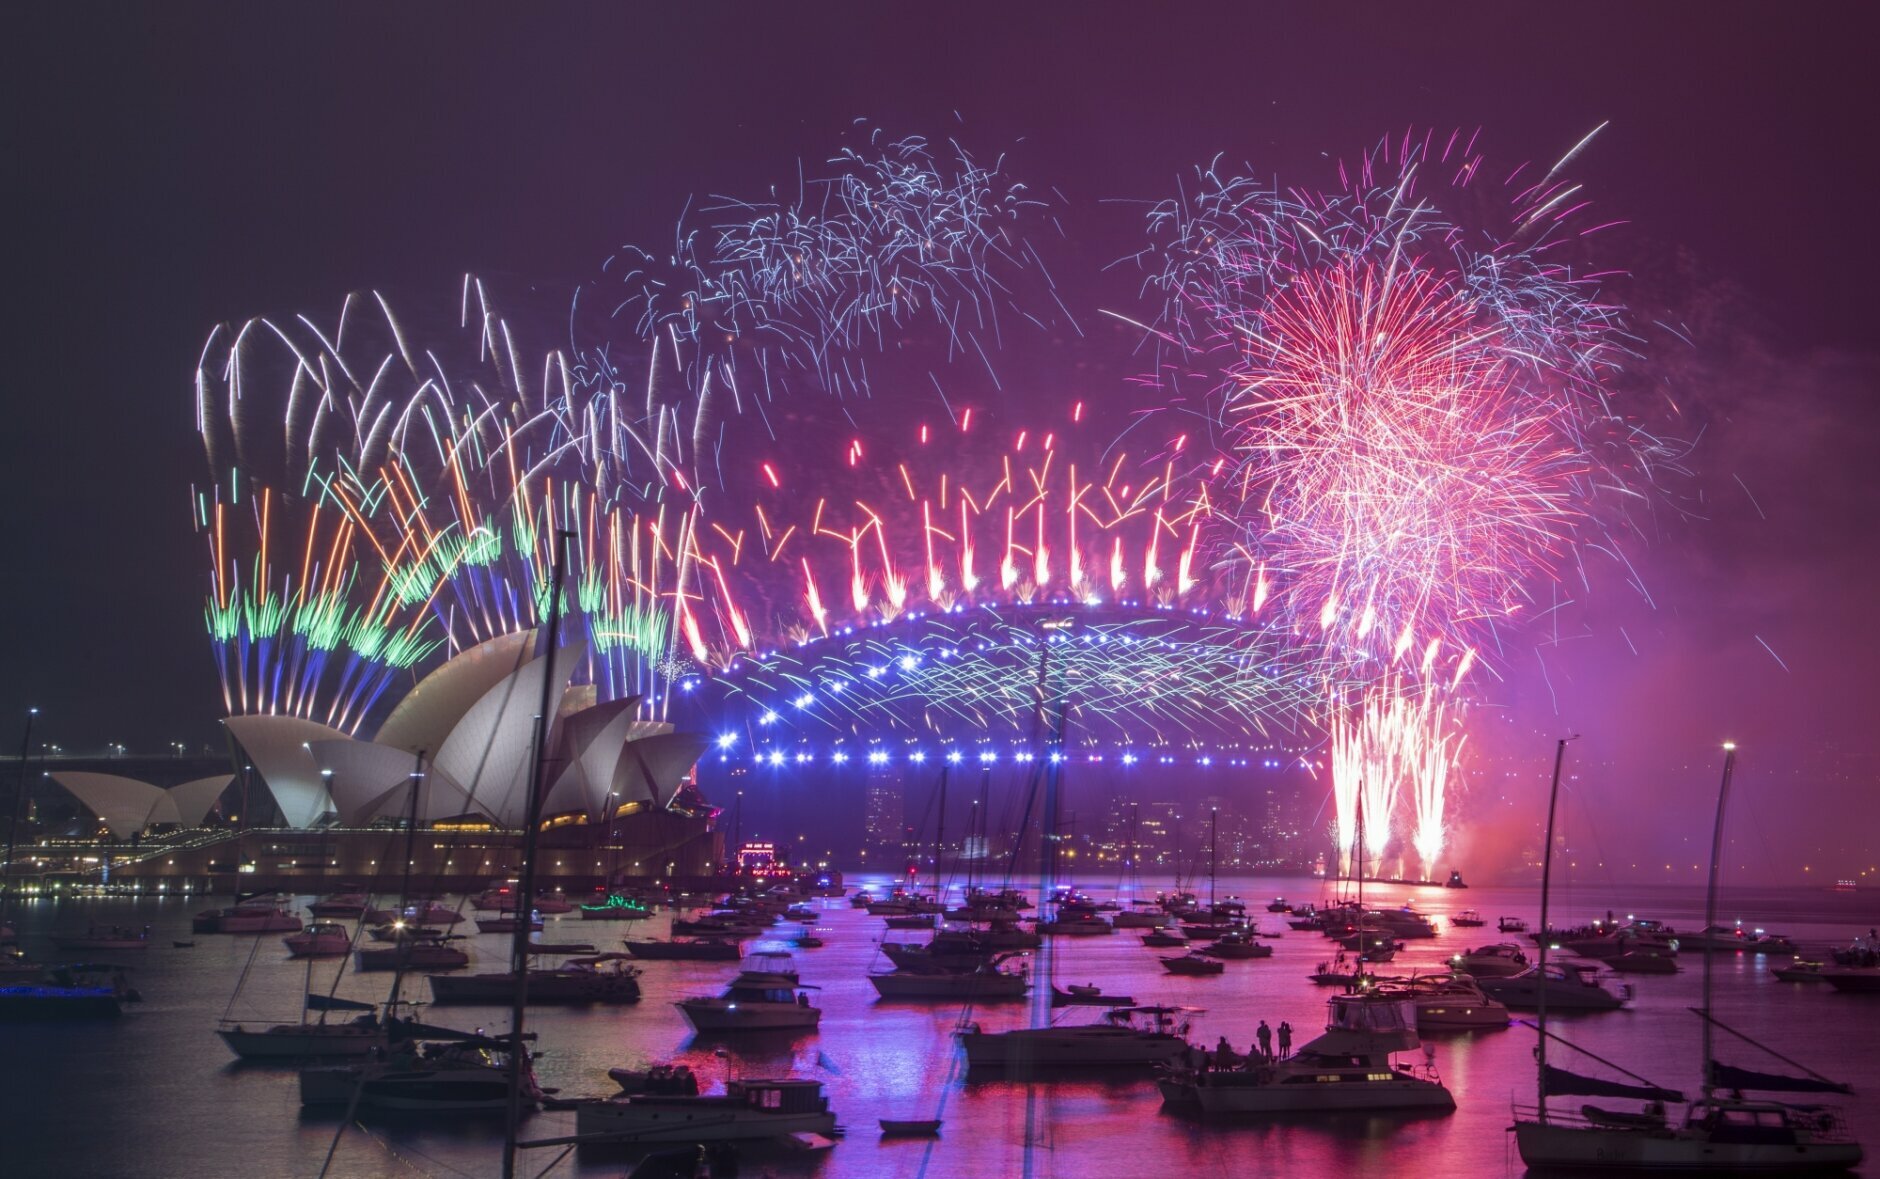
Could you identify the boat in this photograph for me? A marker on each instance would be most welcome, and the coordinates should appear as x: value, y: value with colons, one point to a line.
x: 417, y: 953
x: 247, y: 917
x: 765, y: 996
x: 431, y: 913
x: 1854, y: 980
x: 909, y: 1127
x: 1455, y: 880
x: 1237, y: 945
x: 1497, y: 961
x: 340, y: 904
x: 687, y: 949
x: 747, y: 1109
x: 1720, y: 1135
x: 76, y: 991
x: 114, y: 938
x: 1278, y: 905
x: 321, y: 939
x: 1124, y: 1036
x: 1087, y: 995
x: 459, y: 1076
x: 1570, y: 986
x: 725, y: 924
x: 1802, y: 970
x: 1736, y: 939
x: 1349, y: 1067
x: 508, y: 924
x: 1447, y: 1001
x: 1467, y: 919
x: 615, y: 907
x: 1337, y: 974
x: 600, y: 978
x: 660, y: 1078
x: 1074, y: 925
x: 360, y: 1036
x: 1511, y: 925
x: 1162, y: 939
x: 986, y: 984
x: 1643, y: 961
x: 1193, y: 964
x: 911, y: 921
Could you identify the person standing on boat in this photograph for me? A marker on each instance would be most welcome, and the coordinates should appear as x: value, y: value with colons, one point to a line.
x: 1265, y: 1036
x: 1285, y: 1039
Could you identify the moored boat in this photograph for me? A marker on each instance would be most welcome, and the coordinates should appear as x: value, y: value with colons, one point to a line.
x: 747, y: 1109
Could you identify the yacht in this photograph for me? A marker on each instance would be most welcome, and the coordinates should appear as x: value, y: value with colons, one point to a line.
x: 430, y: 913
x: 322, y: 939
x: 470, y: 1075
x: 305, y: 1041
x: 1718, y: 1136
x: 1511, y: 925
x: 340, y: 904
x: 986, y: 984
x: 748, y: 1109
x: 1467, y: 919
x: 1193, y: 964
x: 507, y: 923
x: 1347, y: 1068
x: 247, y: 917
x: 1570, y: 986
x: 614, y: 907
x: 1162, y: 939
x: 67, y: 992
x: 1447, y: 1002
x: 765, y: 996
x: 1074, y: 924
x: 1123, y: 1036
x: 600, y: 978
x: 417, y: 953
x: 1802, y: 970
x: 1497, y: 961
x: 1236, y: 945
x: 687, y: 949
x: 115, y: 938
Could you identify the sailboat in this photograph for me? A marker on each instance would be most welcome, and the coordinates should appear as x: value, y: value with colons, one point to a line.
x: 1123, y: 1036
x: 1722, y: 1132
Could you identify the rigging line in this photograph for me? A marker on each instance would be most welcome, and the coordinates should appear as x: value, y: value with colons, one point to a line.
x: 1722, y: 1026
x: 1593, y: 1055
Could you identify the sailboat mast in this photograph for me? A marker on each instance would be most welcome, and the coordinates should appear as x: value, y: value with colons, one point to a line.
x: 1214, y: 845
x: 940, y: 832
x: 1547, y: 870
x: 1710, y: 900
x: 532, y: 821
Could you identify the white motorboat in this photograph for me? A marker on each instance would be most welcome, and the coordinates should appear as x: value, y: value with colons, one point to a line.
x: 1347, y: 1068
x: 115, y: 937
x: 1447, y: 1002
x: 1570, y: 986
x: 764, y: 997
x: 749, y: 1109
x: 599, y: 978
x: 322, y: 939
x: 1496, y: 961
x: 1123, y: 1036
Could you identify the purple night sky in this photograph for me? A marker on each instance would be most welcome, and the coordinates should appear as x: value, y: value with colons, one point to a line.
x: 176, y: 168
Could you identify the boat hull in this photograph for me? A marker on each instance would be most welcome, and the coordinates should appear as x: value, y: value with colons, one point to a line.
x: 982, y: 988
x: 722, y: 1018
x: 288, y: 1042
x: 1288, y: 1098
x: 1604, y: 1148
x: 653, y: 1121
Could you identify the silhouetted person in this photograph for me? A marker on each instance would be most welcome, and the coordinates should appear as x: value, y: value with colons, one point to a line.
x: 1265, y: 1036
x: 1285, y: 1039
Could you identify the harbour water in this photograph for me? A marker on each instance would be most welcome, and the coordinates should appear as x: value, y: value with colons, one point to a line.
x: 156, y: 1093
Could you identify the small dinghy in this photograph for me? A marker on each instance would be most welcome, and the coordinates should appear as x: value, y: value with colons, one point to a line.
x: 910, y: 1128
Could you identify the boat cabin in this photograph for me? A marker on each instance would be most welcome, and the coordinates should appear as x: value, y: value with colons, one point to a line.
x: 788, y: 1097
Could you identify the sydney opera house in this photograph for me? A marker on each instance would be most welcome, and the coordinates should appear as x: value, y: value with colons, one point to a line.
x: 448, y: 772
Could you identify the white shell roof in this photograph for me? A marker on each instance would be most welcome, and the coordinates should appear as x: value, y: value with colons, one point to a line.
x: 193, y: 799
x: 279, y: 747
x: 430, y: 711
x: 488, y: 752
x: 125, y: 805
